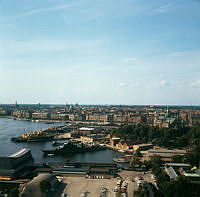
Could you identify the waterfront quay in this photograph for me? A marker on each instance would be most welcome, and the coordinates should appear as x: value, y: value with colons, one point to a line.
x: 72, y: 178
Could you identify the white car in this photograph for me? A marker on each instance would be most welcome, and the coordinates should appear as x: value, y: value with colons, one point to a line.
x: 64, y: 195
x: 139, y: 178
x: 116, y: 189
x: 141, y: 183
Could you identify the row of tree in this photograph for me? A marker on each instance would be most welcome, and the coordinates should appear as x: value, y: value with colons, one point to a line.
x: 166, y: 137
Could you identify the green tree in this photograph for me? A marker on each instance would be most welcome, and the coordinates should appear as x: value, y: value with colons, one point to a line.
x: 135, y: 161
x: 193, y: 157
x: 181, y: 187
x: 162, y: 178
x: 137, y: 153
x: 14, y: 192
x: 45, y: 186
x: 140, y: 193
x: 182, y: 142
x: 156, y: 161
x: 177, y: 158
x: 156, y: 165
x: 147, y: 164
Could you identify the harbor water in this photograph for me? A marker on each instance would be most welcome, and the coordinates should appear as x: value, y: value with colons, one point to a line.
x: 10, y: 128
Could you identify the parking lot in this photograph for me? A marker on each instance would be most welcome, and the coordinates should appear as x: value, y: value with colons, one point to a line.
x: 81, y: 186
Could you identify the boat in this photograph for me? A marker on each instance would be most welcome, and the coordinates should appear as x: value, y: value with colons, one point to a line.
x: 55, y: 143
x: 40, y: 139
x: 18, y: 139
x: 121, y: 151
x: 37, y: 136
x: 49, y: 122
x: 49, y: 155
x: 71, y: 147
x: 121, y: 160
x: 33, y: 139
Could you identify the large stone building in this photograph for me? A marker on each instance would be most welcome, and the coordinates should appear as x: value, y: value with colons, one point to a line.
x: 174, y: 170
x: 59, y: 116
x: 41, y: 115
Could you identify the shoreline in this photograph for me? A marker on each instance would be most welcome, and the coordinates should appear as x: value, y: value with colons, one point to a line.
x: 38, y: 120
x: 63, y: 121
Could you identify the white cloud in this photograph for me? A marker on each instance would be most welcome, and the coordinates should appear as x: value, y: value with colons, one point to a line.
x: 164, y: 83
x: 123, y: 85
x: 8, y: 25
x: 195, y: 84
x: 23, y: 47
x: 67, y: 21
x: 159, y: 84
x: 185, y: 53
x: 163, y: 9
x: 128, y: 59
x: 41, y: 10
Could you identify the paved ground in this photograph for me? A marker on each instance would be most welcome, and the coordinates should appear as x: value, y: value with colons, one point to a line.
x: 92, y: 187
x: 130, y: 176
x: 75, y: 186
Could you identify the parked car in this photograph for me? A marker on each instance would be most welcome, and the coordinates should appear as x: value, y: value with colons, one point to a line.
x: 64, y: 195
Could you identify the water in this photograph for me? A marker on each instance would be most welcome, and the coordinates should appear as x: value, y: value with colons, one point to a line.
x: 12, y: 128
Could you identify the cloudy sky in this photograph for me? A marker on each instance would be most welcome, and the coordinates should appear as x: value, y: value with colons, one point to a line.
x: 100, y: 51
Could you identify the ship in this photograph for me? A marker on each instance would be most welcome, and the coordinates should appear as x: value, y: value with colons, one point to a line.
x: 121, y: 160
x: 37, y: 136
x: 33, y: 139
x: 71, y: 147
x: 55, y: 143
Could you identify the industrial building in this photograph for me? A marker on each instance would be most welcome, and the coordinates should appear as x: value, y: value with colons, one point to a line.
x: 181, y: 169
x: 16, y: 165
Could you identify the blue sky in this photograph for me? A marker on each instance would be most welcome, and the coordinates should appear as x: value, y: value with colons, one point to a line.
x: 100, y: 51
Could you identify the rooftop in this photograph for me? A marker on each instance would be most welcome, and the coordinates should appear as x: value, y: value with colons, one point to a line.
x: 172, y: 151
x: 20, y: 153
x: 179, y: 164
x: 141, y: 145
x: 86, y: 129
x: 192, y: 175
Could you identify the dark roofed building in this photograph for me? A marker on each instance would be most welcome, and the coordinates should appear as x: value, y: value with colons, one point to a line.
x: 15, y: 165
x: 105, y: 171
x: 69, y: 170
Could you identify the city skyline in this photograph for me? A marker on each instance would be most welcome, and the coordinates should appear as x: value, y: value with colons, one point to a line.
x: 100, y: 52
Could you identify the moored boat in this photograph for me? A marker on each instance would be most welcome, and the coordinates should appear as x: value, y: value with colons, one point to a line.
x: 73, y: 147
x: 33, y: 139
x: 121, y: 160
x: 121, y: 151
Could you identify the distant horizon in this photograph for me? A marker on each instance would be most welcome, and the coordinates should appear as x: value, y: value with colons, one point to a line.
x: 60, y: 104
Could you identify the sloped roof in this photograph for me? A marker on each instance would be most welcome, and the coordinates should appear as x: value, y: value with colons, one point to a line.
x: 130, y: 142
x: 20, y: 153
